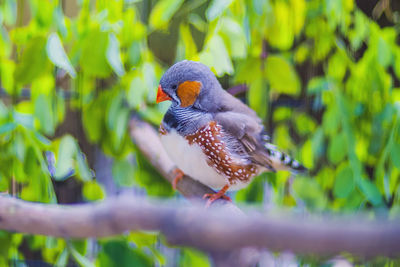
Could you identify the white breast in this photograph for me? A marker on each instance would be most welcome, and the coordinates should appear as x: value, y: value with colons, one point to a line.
x: 193, y: 162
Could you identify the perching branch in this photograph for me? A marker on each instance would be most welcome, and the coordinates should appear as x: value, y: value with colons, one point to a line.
x: 212, y: 230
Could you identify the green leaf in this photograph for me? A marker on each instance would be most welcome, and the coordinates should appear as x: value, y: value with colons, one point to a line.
x: 301, y: 53
x: 384, y: 52
x: 192, y: 257
x: 30, y: 162
x: 7, y: 127
x: 298, y: 10
x: 344, y: 182
x: 113, y: 110
x: 280, y: 31
x: 152, y: 115
x: 7, y: 73
x: 216, y: 8
x: 65, y: 158
x: 44, y: 113
x: 257, y: 96
x: 121, y: 126
x: 3, y: 185
x: 317, y: 85
x: 150, y: 179
x: 9, y: 11
x: 370, y: 191
x: 216, y: 56
x: 93, y: 191
x: 93, y: 118
x: 254, y: 193
x: 59, y: 20
x: 360, y: 30
x: 337, y: 149
x: 83, y: 170
x: 163, y: 12
x: 331, y: 121
x: 57, y: 55
x: 197, y: 22
x: 310, y: 192
x: 282, y: 76
x: 123, y: 172
x: 395, y: 155
x: 143, y: 239
x: 150, y: 80
x: 81, y: 260
x: 305, y: 124
x: 33, y: 61
x: 62, y: 259
x: 337, y: 66
x: 119, y: 254
x: 23, y: 119
x: 307, y: 154
x: 80, y: 245
x: 189, y: 43
x: 117, y: 120
x: 136, y: 92
x: 114, y: 55
x: 93, y: 57
x: 234, y: 37
x: 396, y: 62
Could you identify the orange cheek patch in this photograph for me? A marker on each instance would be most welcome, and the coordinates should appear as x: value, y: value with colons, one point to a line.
x: 188, y: 92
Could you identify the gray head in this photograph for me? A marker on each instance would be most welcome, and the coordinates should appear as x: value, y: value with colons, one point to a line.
x: 189, y: 84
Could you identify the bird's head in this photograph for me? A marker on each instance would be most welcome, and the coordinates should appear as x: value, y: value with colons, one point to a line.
x: 187, y: 84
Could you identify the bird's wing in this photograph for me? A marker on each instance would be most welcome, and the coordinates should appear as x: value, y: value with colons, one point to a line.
x: 245, y: 136
x: 227, y: 102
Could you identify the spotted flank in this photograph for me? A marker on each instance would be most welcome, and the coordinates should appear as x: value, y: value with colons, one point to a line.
x: 210, y: 140
x: 281, y: 161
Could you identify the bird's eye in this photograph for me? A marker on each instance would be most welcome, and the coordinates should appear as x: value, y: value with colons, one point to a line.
x: 174, y: 86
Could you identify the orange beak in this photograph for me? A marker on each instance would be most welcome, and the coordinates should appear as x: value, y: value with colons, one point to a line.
x: 161, y: 95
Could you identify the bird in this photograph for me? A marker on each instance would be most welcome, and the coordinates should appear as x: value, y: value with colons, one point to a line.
x: 211, y: 135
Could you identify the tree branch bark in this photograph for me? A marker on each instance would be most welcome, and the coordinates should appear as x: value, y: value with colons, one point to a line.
x: 213, y: 230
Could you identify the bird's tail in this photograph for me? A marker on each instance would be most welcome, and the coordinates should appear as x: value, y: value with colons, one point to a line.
x: 282, y: 161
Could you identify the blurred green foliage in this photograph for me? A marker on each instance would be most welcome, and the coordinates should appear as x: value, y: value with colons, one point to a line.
x: 322, y: 75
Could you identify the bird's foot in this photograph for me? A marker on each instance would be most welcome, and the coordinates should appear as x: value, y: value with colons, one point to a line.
x: 218, y: 195
x: 178, y: 175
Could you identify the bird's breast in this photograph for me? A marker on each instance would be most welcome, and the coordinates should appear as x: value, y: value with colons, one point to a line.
x: 204, y: 156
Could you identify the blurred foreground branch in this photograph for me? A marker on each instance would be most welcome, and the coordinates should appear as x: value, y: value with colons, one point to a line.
x: 214, y: 229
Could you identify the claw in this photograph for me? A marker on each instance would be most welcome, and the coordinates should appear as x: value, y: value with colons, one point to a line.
x: 218, y: 195
x: 178, y: 176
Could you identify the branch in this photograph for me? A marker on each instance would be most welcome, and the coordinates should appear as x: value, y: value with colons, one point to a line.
x: 212, y: 230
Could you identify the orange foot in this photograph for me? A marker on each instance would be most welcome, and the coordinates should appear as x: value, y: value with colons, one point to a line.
x: 218, y: 195
x: 178, y: 175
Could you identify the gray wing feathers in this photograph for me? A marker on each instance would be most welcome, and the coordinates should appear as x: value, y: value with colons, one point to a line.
x: 248, y: 132
x: 227, y: 102
x: 246, y: 136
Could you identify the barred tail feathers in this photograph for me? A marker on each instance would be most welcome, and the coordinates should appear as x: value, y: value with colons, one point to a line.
x: 282, y: 161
